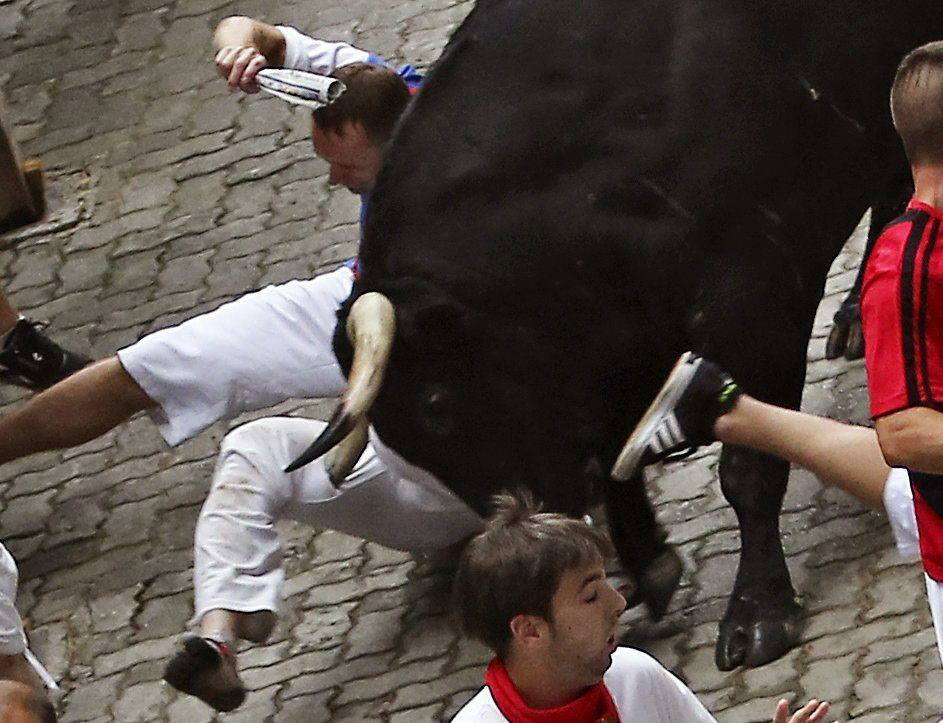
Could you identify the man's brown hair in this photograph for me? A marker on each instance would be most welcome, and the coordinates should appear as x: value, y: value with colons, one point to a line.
x: 375, y: 97
x: 917, y: 103
x: 514, y: 567
x: 22, y: 698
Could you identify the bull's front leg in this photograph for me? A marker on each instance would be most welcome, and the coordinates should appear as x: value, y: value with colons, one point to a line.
x: 642, y: 546
x: 763, y: 620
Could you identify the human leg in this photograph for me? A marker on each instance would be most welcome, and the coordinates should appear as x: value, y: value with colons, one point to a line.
x: 845, y: 455
x: 256, y: 351
x: 687, y: 414
x: 8, y: 315
x: 237, y: 556
x: 74, y: 411
x: 246, y: 355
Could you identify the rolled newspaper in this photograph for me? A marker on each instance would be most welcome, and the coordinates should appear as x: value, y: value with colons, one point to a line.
x: 300, y: 88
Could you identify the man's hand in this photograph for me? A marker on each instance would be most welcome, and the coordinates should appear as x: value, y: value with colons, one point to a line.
x: 239, y: 65
x: 812, y: 712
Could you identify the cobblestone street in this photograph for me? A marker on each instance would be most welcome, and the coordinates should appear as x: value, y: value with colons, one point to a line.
x: 170, y: 195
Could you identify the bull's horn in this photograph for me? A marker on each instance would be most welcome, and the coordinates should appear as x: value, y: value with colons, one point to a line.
x: 341, y: 460
x: 371, y: 326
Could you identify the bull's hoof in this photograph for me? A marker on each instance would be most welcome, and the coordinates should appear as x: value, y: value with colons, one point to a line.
x: 658, y: 583
x: 757, y: 642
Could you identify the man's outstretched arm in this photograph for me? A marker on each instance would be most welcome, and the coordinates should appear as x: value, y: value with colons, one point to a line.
x: 245, y: 46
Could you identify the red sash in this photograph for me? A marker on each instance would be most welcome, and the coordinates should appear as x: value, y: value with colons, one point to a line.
x: 593, y: 706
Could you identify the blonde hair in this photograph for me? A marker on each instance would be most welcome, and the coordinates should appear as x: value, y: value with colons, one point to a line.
x: 917, y: 104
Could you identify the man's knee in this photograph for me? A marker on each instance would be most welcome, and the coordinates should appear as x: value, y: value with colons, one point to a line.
x: 255, y: 455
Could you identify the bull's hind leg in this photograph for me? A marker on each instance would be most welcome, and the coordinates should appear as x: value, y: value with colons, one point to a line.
x: 763, y: 620
x: 641, y: 545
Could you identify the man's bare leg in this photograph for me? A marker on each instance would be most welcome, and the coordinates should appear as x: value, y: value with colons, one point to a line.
x: 8, y: 315
x: 230, y: 626
x: 843, y: 454
x: 74, y: 411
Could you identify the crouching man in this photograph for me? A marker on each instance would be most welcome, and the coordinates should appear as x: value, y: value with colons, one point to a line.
x: 532, y: 587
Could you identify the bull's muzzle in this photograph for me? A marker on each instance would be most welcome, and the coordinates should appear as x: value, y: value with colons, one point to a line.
x: 371, y: 326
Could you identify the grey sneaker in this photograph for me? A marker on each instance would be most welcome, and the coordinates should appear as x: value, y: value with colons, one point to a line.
x: 681, y: 418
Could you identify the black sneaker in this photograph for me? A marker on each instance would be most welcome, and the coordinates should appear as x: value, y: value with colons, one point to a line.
x: 206, y: 669
x: 681, y: 418
x: 31, y: 359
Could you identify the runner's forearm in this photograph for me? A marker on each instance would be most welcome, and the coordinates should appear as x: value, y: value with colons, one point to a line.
x: 242, y: 31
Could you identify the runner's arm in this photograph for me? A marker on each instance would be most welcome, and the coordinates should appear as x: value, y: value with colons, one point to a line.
x: 912, y: 438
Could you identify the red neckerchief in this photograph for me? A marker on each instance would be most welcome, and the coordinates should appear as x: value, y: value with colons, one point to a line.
x: 593, y: 706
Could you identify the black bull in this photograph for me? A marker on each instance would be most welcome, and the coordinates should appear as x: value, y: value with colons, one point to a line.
x: 583, y: 190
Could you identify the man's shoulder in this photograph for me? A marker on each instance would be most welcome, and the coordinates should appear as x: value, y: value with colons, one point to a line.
x: 632, y: 659
x: 480, y: 709
x: 628, y: 667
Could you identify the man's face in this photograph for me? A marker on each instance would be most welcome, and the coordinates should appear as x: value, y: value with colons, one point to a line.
x: 584, y: 613
x: 353, y: 159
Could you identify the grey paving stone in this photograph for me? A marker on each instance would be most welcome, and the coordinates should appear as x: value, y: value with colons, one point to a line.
x: 141, y: 702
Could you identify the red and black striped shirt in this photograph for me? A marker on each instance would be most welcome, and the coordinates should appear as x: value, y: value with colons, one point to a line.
x: 902, y: 318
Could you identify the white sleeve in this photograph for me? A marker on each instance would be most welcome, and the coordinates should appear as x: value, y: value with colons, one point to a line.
x: 12, y: 640
x: 677, y: 700
x: 303, y: 52
x: 643, y: 689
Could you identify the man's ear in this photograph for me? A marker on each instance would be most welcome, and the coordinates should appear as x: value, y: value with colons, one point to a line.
x: 527, y: 630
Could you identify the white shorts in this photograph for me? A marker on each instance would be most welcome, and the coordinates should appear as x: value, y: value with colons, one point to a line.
x: 899, y: 503
x: 249, y: 354
x: 12, y: 638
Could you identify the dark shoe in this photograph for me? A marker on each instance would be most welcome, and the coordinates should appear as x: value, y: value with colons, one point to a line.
x: 31, y: 359
x: 681, y: 418
x: 206, y: 669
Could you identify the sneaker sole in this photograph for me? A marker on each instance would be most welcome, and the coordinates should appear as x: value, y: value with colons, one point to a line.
x: 628, y: 459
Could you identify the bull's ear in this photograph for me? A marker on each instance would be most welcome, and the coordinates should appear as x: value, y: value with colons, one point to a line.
x: 442, y: 324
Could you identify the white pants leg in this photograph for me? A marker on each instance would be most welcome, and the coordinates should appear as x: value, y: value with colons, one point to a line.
x: 899, y: 503
x: 259, y: 350
x: 237, y: 557
x: 935, y: 596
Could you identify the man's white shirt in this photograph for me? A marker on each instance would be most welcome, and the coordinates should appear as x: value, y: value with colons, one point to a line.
x: 323, y: 57
x: 641, y: 689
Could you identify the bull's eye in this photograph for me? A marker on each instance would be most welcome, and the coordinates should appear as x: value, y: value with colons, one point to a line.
x: 436, y: 413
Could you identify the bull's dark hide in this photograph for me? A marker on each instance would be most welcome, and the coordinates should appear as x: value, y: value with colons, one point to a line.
x: 581, y: 191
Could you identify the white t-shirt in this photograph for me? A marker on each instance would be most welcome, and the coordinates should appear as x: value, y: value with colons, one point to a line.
x: 12, y: 639
x: 640, y: 687
x: 318, y: 56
